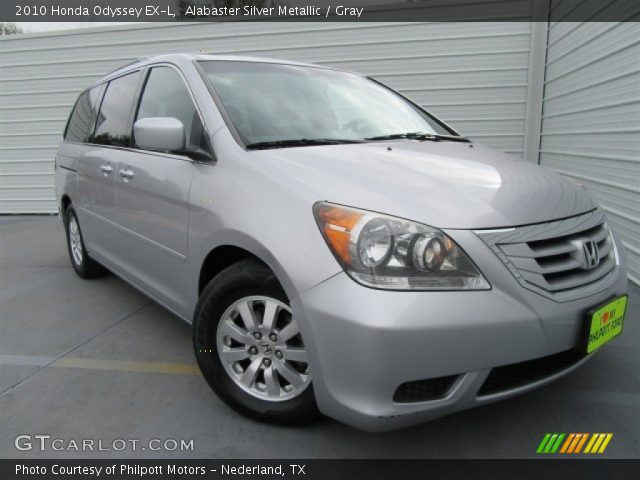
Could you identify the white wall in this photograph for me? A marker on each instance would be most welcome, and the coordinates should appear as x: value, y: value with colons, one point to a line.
x: 473, y: 75
x: 591, y: 119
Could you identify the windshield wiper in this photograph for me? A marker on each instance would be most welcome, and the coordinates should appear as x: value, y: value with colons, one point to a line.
x: 434, y: 137
x: 298, y: 142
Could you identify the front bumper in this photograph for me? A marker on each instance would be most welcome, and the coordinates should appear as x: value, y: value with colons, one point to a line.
x: 364, y: 343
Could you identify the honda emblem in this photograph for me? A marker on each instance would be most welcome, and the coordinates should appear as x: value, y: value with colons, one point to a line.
x: 590, y: 254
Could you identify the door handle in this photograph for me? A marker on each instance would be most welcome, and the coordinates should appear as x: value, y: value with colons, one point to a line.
x: 126, y: 173
x: 106, y: 169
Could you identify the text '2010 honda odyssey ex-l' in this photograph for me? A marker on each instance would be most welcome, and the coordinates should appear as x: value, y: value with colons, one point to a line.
x: 336, y: 247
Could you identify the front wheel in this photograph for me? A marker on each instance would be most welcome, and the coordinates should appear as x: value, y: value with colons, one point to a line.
x: 250, y: 348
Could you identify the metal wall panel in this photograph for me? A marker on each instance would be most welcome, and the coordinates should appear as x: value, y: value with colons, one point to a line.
x: 473, y: 75
x: 591, y: 119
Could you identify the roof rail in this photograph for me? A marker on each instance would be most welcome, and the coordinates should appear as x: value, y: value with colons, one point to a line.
x: 141, y: 59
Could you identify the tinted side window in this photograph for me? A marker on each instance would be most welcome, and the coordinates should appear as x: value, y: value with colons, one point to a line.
x: 112, y: 125
x: 166, y: 95
x: 83, y: 116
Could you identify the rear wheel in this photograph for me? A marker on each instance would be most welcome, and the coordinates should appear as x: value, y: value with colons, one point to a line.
x: 82, y: 263
x: 250, y: 348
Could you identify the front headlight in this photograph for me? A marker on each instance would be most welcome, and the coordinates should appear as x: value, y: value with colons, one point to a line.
x: 386, y: 252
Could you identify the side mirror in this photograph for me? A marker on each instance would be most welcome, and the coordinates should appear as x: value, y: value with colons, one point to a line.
x: 164, y: 134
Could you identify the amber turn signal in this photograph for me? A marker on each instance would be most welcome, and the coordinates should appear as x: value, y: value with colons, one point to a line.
x: 337, y: 223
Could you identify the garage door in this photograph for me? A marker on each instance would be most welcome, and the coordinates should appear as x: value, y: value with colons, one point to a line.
x: 591, y: 119
x: 473, y: 75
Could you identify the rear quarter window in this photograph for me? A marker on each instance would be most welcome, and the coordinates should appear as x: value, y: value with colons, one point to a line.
x: 113, y: 122
x: 83, y: 116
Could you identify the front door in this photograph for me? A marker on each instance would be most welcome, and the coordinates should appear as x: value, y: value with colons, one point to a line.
x: 152, y: 195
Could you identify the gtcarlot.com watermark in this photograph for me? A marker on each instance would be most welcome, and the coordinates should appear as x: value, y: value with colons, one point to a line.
x: 48, y: 443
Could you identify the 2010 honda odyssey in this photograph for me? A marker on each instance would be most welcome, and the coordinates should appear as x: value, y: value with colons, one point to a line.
x: 337, y: 248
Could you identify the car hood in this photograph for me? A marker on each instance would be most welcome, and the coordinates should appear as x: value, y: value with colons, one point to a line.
x: 443, y: 184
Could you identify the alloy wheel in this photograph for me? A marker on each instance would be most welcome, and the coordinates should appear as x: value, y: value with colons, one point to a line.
x: 75, y: 241
x: 261, y: 348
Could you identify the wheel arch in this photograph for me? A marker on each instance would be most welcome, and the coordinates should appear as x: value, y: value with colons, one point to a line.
x: 65, y: 201
x: 218, y: 259
x: 232, y: 247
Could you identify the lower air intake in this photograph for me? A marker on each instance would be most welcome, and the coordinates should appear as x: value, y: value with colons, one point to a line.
x: 508, y: 377
x: 424, y: 390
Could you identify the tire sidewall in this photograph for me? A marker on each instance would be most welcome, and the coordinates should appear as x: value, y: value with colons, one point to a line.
x: 81, y: 267
x: 214, y: 301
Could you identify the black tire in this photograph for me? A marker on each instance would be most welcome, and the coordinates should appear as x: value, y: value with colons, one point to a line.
x: 246, y: 278
x: 87, y: 267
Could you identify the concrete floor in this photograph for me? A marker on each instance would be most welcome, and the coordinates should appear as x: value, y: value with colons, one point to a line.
x: 97, y: 360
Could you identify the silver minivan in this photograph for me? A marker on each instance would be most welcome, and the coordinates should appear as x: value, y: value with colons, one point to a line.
x: 337, y: 248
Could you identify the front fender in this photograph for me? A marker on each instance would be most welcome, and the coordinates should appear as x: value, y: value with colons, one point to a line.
x: 244, y: 203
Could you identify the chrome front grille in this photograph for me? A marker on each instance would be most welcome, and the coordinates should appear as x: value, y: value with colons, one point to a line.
x: 563, y: 260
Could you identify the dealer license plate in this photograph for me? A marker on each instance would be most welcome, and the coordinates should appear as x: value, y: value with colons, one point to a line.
x: 605, y: 322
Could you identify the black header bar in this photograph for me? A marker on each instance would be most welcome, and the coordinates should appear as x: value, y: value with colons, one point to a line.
x: 533, y: 469
x: 320, y: 10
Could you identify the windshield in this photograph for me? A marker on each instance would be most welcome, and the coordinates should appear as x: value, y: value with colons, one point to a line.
x: 269, y: 102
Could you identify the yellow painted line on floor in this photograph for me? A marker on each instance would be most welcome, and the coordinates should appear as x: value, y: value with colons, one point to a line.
x: 127, y: 366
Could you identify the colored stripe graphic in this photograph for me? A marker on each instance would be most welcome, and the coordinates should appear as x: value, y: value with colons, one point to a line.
x: 598, y: 443
x: 556, y: 445
x: 573, y: 443
x: 567, y: 443
x: 550, y: 443
x: 590, y: 444
x: 543, y: 443
x: 605, y: 443
x: 581, y: 442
